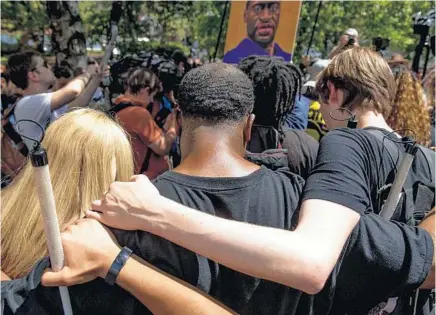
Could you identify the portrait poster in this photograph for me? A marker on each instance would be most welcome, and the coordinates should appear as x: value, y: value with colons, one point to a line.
x: 261, y: 28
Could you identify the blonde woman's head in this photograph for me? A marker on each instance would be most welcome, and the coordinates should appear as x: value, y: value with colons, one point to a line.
x: 87, y: 151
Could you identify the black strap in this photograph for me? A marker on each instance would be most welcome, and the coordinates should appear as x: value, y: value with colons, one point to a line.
x: 393, y: 150
x: 10, y: 131
x: 146, y: 162
x: 119, y: 107
x: 161, y: 115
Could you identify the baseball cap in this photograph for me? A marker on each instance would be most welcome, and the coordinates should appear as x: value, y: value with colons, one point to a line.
x: 351, y: 32
x: 314, y: 70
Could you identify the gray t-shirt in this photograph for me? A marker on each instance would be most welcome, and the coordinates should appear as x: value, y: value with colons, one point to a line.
x: 33, y: 107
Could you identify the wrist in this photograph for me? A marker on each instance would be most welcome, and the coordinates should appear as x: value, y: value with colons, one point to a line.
x: 158, y: 223
x: 117, y: 265
x: 106, y: 261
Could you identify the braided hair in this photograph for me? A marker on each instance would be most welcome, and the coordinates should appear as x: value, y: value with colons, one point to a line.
x: 276, y: 85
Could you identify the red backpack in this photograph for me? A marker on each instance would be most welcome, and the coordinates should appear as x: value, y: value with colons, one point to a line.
x: 13, y: 150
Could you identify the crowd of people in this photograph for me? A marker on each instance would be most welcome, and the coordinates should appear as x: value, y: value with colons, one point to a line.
x: 254, y: 188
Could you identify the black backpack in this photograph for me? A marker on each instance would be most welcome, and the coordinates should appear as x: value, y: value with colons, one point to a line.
x: 264, y: 148
x: 418, y: 194
x: 418, y: 198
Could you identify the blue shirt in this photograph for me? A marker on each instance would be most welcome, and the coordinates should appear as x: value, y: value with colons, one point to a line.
x: 298, y: 117
x: 247, y: 48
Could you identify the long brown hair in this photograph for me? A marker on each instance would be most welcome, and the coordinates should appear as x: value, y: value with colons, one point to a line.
x: 409, y: 110
x: 83, y: 147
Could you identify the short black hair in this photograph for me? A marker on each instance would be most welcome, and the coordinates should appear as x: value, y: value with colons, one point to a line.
x: 216, y: 92
x: 141, y: 78
x: 276, y: 85
x: 19, y: 65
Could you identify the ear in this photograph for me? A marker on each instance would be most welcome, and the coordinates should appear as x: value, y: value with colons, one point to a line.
x: 245, y: 16
x: 32, y: 76
x: 145, y: 91
x: 247, y: 128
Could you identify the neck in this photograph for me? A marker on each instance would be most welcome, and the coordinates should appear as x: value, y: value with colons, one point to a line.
x: 136, y: 98
x: 207, y: 152
x: 33, y: 89
x: 371, y: 119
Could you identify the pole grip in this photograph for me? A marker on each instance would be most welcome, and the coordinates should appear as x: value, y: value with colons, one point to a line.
x: 51, y: 226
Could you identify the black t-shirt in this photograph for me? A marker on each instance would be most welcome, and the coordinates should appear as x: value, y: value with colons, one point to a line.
x: 302, y: 150
x: 352, y: 165
x: 264, y: 198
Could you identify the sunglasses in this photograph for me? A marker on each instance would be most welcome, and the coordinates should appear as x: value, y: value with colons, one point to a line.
x: 44, y: 64
x: 323, y: 93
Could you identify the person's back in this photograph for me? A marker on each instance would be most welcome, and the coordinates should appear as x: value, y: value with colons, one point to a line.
x: 263, y: 198
x: 277, y: 86
x: 82, y: 163
x: 215, y: 178
x: 356, y: 167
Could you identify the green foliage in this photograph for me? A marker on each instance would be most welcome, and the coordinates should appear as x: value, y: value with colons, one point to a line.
x: 388, y: 19
x: 178, y: 21
x: 95, y: 16
x: 153, y: 45
x: 205, y: 24
x: 23, y: 16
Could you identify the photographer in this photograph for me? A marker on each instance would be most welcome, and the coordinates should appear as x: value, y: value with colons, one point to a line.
x: 148, y: 138
x: 349, y: 39
x: 165, y: 104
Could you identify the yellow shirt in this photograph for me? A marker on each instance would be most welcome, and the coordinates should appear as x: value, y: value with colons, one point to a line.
x: 316, y: 124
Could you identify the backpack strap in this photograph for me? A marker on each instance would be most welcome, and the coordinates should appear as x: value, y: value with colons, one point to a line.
x: 10, y: 131
x: 119, y: 107
x: 390, y: 146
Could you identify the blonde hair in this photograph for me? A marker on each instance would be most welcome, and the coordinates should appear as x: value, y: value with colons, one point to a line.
x: 367, y: 77
x: 81, y: 148
x: 410, y: 109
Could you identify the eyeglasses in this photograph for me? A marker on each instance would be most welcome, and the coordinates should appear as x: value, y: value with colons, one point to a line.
x: 273, y: 7
x: 44, y: 64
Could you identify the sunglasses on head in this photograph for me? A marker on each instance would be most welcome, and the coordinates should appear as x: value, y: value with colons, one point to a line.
x: 323, y: 92
x: 44, y: 64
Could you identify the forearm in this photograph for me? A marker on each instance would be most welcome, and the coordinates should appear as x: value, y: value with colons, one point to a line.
x: 163, y: 144
x: 428, y: 224
x: 273, y: 254
x: 85, y: 97
x: 78, y: 84
x: 164, y: 294
x: 335, y: 51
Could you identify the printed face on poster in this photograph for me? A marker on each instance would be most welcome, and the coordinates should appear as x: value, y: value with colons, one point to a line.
x: 265, y: 28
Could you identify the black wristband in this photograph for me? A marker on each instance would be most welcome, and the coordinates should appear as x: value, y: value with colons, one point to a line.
x: 117, y: 265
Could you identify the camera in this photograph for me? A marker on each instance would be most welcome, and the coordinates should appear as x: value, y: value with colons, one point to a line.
x: 351, y: 40
x: 380, y: 43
